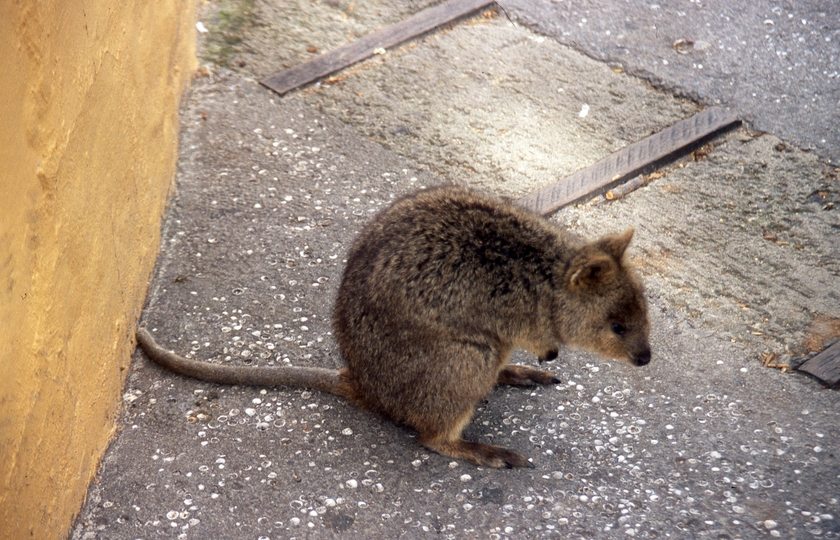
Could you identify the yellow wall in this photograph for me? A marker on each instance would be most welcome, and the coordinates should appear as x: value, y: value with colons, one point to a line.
x: 89, y: 95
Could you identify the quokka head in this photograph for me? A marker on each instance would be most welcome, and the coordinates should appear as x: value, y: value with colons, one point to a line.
x: 604, y: 304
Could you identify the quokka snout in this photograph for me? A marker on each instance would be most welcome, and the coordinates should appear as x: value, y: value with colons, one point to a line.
x: 608, y: 313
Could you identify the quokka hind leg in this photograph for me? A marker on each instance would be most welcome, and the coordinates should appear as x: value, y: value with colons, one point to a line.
x: 519, y: 375
x: 451, y: 444
x: 459, y: 383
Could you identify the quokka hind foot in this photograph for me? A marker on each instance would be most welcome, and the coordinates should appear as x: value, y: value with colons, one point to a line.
x: 486, y: 455
x: 444, y: 435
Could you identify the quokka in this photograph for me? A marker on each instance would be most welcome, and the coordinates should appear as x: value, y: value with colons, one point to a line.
x: 438, y: 290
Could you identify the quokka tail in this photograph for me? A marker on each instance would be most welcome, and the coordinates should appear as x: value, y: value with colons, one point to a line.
x: 325, y: 380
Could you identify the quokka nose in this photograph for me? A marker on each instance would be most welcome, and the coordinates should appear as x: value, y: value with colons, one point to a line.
x: 642, y: 359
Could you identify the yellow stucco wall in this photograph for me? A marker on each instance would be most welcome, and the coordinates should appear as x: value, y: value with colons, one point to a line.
x: 89, y: 95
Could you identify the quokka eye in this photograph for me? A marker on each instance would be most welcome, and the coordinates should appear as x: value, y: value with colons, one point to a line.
x: 618, y: 328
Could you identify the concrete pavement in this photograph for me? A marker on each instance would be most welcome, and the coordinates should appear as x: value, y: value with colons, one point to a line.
x: 775, y: 62
x: 703, y: 442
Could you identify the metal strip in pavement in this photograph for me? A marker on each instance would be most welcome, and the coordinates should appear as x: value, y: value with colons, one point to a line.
x: 363, y: 48
x: 628, y: 161
x: 825, y: 366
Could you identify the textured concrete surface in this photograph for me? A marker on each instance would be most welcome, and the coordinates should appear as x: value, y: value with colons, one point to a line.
x: 738, y: 250
x: 775, y: 62
x: 498, y: 107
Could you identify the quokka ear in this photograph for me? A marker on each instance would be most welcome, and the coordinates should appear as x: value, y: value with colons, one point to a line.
x: 591, y: 272
x: 615, y: 245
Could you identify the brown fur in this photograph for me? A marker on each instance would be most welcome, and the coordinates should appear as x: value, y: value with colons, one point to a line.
x: 438, y: 291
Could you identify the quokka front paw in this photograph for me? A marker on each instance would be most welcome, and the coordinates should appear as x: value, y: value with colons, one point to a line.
x: 518, y: 375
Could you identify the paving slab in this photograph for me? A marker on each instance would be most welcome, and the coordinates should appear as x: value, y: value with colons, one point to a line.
x: 737, y: 247
x: 496, y: 106
x: 775, y: 62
